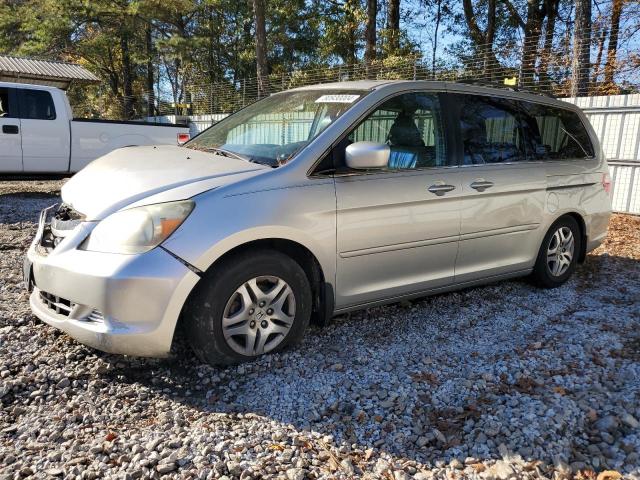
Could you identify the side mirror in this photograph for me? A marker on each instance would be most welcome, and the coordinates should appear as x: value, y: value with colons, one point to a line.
x: 367, y: 155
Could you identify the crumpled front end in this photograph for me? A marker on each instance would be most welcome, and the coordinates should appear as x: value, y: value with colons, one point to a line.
x: 125, y: 304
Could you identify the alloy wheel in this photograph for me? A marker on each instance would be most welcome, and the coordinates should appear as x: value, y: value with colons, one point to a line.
x: 560, y: 251
x: 259, y: 315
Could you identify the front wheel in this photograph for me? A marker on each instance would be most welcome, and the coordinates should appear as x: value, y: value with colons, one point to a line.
x: 558, y: 253
x: 249, y: 305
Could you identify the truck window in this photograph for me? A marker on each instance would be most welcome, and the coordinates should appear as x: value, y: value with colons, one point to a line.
x: 553, y: 133
x: 36, y: 105
x: 7, y: 110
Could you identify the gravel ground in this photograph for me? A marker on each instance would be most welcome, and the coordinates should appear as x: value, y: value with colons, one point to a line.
x: 504, y: 381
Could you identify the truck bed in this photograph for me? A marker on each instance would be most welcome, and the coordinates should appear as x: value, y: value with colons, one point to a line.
x: 91, y: 138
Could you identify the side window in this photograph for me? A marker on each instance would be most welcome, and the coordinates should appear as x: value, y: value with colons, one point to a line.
x: 554, y: 133
x: 7, y: 109
x: 36, y: 105
x: 490, y: 130
x: 411, y: 124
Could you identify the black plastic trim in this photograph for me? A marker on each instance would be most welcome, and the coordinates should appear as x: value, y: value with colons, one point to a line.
x: 577, y: 185
x: 130, y: 122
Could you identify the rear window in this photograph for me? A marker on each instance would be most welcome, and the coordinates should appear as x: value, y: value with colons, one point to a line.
x: 553, y: 133
x: 36, y: 105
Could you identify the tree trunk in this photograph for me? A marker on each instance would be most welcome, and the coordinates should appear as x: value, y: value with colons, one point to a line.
x: 352, y: 29
x: 581, y: 65
x: 114, y: 80
x: 601, y: 36
x: 127, y: 81
x: 434, y: 50
x: 612, y: 48
x: 483, y: 40
x: 370, y: 31
x: 261, y: 48
x: 545, y: 56
x: 532, y: 30
x: 393, y: 24
x: 490, y: 61
x: 150, y: 81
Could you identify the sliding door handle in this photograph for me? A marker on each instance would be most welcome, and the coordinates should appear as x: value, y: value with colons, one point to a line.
x: 481, y: 185
x: 440, y: 189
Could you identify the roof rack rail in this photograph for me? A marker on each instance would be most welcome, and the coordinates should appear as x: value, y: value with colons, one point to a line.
x: 514, y: 88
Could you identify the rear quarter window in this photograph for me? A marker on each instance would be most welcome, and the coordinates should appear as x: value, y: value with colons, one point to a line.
x: 36, y: 105
x: 553, y: 133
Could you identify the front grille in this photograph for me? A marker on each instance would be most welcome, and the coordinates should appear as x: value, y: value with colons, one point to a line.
x: 61, y: 306
x: 64, y: 307
x: 95, y: 317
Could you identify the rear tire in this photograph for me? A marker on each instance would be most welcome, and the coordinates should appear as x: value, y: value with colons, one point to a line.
x: 250, y: 304
x: 558, y: 254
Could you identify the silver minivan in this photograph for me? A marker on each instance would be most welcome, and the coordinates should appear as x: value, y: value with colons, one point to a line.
x: 313, y: 202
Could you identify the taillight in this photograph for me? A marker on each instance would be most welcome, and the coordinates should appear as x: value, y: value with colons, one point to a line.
x: 606, y: 183
x: 183, y: 138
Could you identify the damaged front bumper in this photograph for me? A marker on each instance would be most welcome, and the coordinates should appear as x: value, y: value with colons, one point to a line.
x: 124, y: 304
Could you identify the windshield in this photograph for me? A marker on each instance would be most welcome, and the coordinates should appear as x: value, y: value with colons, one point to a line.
x: 274, y: 129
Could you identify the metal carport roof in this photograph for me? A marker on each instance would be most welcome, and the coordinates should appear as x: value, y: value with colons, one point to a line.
x: 43, y: 72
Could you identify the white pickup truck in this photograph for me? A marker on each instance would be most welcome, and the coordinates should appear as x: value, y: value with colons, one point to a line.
x: 38, y: 133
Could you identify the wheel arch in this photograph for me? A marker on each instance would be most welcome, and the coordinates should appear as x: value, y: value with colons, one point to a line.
x: 322, y: 291
x: 582, y: 254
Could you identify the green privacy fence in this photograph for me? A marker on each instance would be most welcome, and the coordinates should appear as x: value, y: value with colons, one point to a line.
x: 276, y: 129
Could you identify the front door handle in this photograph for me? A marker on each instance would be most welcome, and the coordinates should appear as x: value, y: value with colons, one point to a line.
x: 481, y: 185
x: 440, y: 189
x: 13, y: 129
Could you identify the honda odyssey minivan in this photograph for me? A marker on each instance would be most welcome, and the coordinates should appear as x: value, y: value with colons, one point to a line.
x: 313, y: 202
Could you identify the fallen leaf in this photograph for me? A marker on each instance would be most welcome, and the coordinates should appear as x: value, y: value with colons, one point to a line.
x: 609, y: 475
x: 110, y: 437
x: 560, y: 390
x: 586, y: 475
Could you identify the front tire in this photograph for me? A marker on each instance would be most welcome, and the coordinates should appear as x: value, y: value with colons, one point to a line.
x: 558, y: 255
x: 250, y: 304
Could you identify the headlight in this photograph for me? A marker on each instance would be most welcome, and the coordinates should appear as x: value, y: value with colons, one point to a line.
x: 138, y: 229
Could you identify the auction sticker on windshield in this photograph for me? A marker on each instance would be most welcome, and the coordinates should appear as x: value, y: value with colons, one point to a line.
x: 337, y: 98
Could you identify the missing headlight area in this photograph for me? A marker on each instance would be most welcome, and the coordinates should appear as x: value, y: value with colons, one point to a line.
x: 65, y: 219
x: 56, y: 224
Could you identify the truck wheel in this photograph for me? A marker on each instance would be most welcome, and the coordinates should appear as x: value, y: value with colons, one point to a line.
x: 558, y: 253
x: 251, y: 304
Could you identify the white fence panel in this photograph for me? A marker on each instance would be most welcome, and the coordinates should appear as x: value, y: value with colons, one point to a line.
x: 625, y: 177
x: 616, y: 121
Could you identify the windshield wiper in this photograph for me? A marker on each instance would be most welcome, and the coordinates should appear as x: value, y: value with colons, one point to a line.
x: 230, y: 154
x: 224, y: 152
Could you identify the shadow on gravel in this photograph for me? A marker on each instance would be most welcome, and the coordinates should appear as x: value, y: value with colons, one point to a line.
x: 24, y: 206
x: 498, y: 350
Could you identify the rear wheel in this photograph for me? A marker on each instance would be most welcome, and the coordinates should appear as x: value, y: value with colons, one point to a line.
x: 249, y: 305
x: 558, y: 253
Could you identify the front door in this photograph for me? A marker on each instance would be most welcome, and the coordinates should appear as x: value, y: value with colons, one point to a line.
x: 45, y: 137
x: 503, y: 194
x: 397, y: 228
x: 10, y: 134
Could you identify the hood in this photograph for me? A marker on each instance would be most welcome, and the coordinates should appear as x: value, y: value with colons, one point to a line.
x: 129, y: 175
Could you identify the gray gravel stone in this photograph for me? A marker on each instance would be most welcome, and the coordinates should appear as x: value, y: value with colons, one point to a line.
x: 517, y: 381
